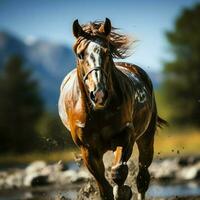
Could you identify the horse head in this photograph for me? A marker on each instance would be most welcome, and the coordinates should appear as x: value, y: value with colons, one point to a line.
x: 93, y: 57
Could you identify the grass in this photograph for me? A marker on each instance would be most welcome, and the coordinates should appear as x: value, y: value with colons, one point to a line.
x: 177, y: 142
x: 174, y: 141
x: 164, y: 109
x: 168, y: 142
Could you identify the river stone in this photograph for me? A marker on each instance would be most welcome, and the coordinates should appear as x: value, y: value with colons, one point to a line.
x: 165, y: 170
x: 72, y: 176
x: 35, y: 179
x: 3, y: 176
x: 83, y: 175
x: 189, y: 173
x: 35, y: 167
x: 14, y: 180
x: 68, y: 176
x: 188, y: 160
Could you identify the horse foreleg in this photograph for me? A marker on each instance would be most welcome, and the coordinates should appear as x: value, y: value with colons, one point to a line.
x: 145, y: 146
x: 94, y: 163
x: 119, y: 173
x: 124, y: 143
x: 119, y: 170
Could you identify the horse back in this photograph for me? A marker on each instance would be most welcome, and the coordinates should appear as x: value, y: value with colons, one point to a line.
x: 139, y: 72
x: 144, y: 100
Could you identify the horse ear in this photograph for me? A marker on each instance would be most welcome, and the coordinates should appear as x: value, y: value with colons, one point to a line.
x: 77, y: 29
x: 106, y: 27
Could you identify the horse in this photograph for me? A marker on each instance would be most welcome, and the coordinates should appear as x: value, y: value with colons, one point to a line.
x: 109, y: 105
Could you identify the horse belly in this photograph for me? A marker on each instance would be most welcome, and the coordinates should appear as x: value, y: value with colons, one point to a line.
x: 141, y: 122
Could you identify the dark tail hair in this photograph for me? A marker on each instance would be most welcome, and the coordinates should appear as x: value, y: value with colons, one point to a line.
x: 161, y: 122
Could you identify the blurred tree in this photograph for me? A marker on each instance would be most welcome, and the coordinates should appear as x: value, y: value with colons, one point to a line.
x: 20, y: 107
x: 54, y: 136
x: 183, y: 73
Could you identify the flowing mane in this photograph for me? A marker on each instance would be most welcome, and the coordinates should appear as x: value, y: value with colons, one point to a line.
x: 119, y: 43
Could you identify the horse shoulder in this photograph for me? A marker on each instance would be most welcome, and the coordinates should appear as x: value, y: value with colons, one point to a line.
x: 66, y: 96
x: 71, y: 108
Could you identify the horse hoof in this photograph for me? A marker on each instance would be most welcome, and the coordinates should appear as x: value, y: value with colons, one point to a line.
x: 119, y: 174
x: 122, y: 192
x: 141, y: 196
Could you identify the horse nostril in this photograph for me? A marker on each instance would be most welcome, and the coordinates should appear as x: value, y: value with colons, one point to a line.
x: 92, y: 97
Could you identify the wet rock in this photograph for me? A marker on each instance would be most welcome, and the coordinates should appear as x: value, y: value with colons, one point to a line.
x: 36, y: 166
x: 83, y: 175
x: 188, y: 160
x: 2, y: 183
x: 53, y: 172
x: 14, y: 180
x: 72, y: 176
x: 189, y: 172
x: 36, y: 174
x: 39, y: 173
x: 3, y: 176
x: 39, y: 181
x: 165, y: 170
x: 35, y: 179
x: 69, y: 176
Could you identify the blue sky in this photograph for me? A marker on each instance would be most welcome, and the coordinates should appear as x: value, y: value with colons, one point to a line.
x: 52, y: 20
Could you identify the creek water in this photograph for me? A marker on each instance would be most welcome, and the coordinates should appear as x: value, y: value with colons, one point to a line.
x: 174, y: 190
x: 155, y: 190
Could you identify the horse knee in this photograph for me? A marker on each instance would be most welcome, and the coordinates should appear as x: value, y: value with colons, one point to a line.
x: 119, y: 173
x: 143, y: 179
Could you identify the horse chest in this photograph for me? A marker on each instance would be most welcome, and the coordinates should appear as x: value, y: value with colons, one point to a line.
x: 108, y: 125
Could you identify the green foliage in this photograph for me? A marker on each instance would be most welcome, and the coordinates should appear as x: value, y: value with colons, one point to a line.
x: 24, y: 126
x: 53, y: 135
x: 163, y: 106
x: 183, y: 73
x: 20, y: 107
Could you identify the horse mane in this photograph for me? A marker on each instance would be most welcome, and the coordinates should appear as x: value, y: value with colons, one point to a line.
x: 119, y: 43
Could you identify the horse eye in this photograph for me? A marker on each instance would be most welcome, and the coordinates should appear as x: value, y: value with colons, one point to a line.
x: 80, y: 55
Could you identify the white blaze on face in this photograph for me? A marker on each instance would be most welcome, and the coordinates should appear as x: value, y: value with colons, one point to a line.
x: 94, y: 60
x: 95, y: 78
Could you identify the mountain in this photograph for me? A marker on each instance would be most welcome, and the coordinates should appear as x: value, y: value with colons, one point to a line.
x: 49, y: 62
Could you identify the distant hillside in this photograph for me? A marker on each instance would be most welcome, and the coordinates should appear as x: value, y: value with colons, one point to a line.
x: 49, y: 63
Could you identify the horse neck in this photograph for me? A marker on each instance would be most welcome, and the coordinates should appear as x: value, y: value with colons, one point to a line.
x: 114, y: 77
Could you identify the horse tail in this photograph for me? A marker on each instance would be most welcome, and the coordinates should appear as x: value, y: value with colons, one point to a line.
x: 161, y: 122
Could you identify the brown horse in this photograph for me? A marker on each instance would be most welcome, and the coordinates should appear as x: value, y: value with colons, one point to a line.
x: 109, y: 106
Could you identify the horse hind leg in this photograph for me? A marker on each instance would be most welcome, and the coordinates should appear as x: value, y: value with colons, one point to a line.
x: 145, y: 146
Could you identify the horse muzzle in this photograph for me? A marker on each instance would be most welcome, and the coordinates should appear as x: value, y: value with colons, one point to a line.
x: 99, y: 98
